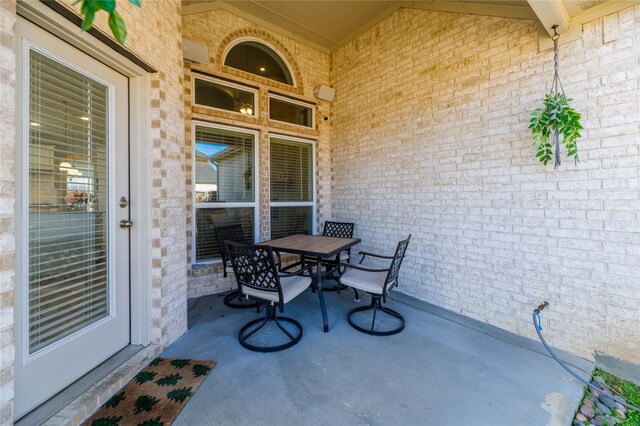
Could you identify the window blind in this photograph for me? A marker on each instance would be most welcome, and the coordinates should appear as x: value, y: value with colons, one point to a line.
x: 292, y: 220
x: 224, y: 174
x: 206, y: 221
x: 224, y: 166
x: 68, y: 193
x: 291, y: 171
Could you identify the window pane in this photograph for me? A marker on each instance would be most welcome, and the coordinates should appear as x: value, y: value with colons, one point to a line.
x: 287, y: 221
x: 290, y: 112
x: 68, y: 192
x: 291, y: 171
x: 207, y: 219
x: 224, y: 166
x: 219, y: 96
x: 259, y: 59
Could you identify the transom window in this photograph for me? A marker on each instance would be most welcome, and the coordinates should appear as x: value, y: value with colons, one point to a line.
x: 220, y: 94
x: 291, y: 111
x: 292, y: 186
x: 259, y: 59
x: 225, y: 185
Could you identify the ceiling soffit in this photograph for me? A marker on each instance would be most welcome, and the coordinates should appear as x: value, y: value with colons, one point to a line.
x: 328, y: 25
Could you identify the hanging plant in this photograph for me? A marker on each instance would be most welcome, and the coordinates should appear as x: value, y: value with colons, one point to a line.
x: 554, y: 119
x: 89, y: 8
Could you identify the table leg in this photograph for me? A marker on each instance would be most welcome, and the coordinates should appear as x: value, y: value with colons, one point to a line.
x: 323, y: 308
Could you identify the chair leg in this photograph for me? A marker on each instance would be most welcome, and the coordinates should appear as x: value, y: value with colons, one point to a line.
x: 235, y: 300
x: 341, y: 286
x: 357, y: 296
x: 375, y: 306
x: 270, y: 315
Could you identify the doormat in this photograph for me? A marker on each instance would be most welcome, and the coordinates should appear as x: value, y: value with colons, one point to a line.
x: 155, y: 396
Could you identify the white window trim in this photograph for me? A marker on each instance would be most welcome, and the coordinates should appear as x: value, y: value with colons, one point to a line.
x: 270, y: 46
x: 218, y: 205
x: 295, y: 102
x: 225, y: 83
x: 312, y: 203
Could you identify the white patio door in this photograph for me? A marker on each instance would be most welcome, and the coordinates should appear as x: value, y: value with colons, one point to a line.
x: 72, y: 309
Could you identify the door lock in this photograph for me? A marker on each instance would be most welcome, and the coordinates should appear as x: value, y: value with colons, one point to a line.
x: 126, y: 224
x: 123, y: 202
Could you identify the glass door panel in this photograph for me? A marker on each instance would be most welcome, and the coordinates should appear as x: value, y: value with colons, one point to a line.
x: 68, y: 239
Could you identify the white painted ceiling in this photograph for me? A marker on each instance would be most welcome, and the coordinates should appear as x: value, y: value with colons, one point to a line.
x: 328, y: 24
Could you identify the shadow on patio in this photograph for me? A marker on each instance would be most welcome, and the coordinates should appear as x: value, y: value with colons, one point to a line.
x: 442, y: 369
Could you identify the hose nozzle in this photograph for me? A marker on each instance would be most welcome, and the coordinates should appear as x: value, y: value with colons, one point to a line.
x: 542, y: 305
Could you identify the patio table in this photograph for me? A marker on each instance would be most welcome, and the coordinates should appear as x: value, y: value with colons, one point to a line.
x: 318, y: 247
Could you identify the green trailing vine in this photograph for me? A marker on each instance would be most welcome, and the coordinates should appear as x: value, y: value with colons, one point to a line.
x: 89, y: 8
x: 556, y: 116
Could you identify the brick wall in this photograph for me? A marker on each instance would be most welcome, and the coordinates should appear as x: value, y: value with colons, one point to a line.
x: 7, y: 206
x: 310, y: 68
x: 430, y: 137
x: 157, y: 27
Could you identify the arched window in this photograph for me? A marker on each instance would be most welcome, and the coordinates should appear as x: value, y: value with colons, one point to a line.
x: 259, y: 59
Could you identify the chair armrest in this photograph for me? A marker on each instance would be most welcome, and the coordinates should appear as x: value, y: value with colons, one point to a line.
x: 362, y: 268
x: 365, y: 254
x: 299, y: 272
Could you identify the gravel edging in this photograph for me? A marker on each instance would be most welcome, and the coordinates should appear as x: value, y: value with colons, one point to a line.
x: 599, y: 409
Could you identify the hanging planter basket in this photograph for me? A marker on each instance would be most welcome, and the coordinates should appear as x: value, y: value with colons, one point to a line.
x: 555, y: 118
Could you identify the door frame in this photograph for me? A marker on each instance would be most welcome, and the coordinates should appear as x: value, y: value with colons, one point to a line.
x: 139, y: 129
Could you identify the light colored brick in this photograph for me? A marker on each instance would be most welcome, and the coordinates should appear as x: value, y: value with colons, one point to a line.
x: 566, y: 224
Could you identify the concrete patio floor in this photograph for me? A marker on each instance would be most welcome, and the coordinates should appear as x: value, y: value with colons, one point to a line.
x: 443, y: 369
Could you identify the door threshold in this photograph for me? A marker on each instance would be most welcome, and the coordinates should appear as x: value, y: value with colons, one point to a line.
x: 77, y: 389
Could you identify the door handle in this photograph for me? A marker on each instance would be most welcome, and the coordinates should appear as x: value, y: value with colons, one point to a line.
x: 126, y: 224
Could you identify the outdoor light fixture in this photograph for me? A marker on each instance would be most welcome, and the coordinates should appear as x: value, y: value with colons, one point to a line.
x: 65, y: 166
x: 68, y: 167
x: 263, y: 69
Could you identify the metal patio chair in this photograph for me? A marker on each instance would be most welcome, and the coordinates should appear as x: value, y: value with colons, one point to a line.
x: 339, y: 230
x: 258, y: 277
x: 378, y: 283
x: 233, y: 233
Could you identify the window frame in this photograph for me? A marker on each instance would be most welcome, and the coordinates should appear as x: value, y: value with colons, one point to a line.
x: 311, y: 203
x: 223, y: 205
x: 289, y: 100
x: 270, y: 46
x: 231, y: 85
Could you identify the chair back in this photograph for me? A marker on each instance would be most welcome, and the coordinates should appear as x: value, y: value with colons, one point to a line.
x: 225, y: 233
x: 338, y: 229
x: 254, y: 267
x: 394, y: 269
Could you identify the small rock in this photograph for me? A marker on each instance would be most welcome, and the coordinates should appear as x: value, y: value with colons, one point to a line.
x: 621, y: 407
x: 577, y: 422
x: 612, y: 420
x: 605, y: 388
x: 581, y: 417
x: 588, y: 402
x: 603, y: 408
x: 587, y: 411
x: 621, y: 414
x: 608, y: 401
x: 599, y: 379
x: 597, y: 421
x: 595, y: 393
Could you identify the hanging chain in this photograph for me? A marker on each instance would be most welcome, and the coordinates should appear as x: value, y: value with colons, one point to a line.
x: 556, y: 77
x: 554, y: 90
